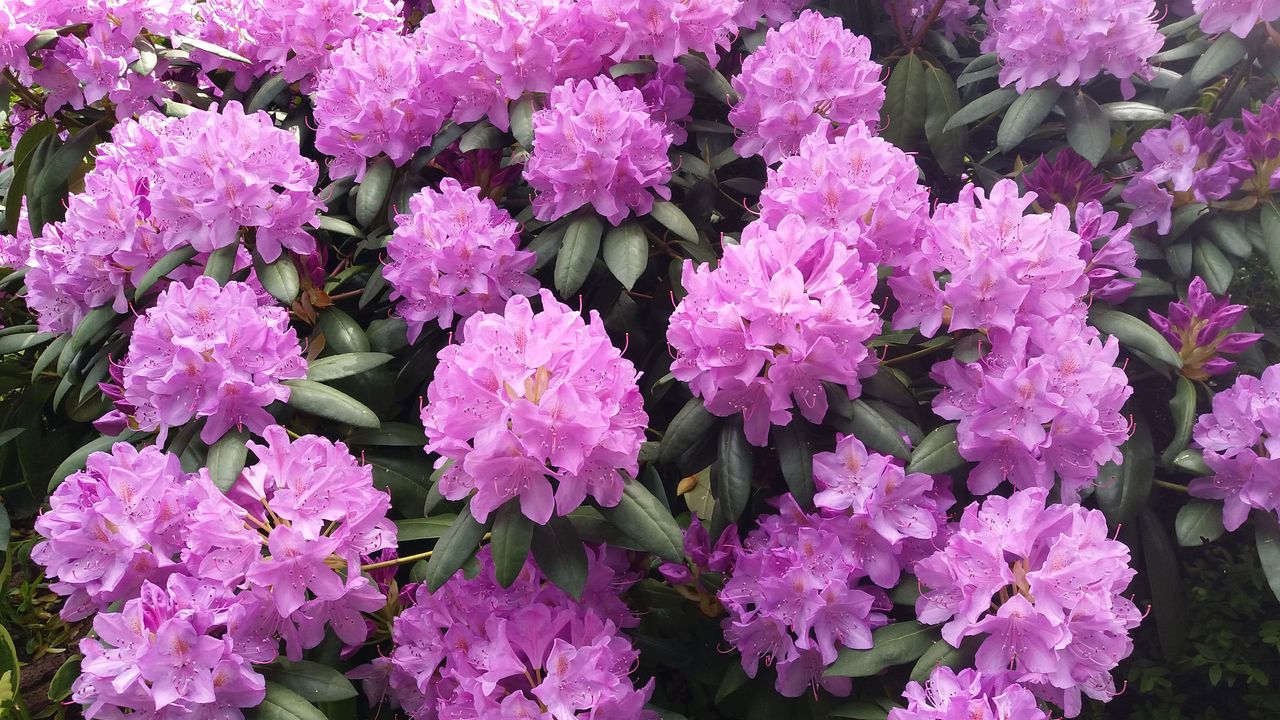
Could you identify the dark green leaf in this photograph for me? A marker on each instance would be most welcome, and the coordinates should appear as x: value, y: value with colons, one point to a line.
x: 312, y: 681
x: 1167, y: 604
x: 991, y: 103
x: 893, y: 644
x: 1267, y: 536
x: 342, y: 334
x: 1192, y: 462
x: 226, y: 458
x: 1135, y: 334
x: 1122, y: 489
x: 1088, y: 127
x: 795, y: 457
x: 522, y: 120
x: 1271, y: 235
x: 733, y: 471
x: 278, y: 277
x: 323, y: 401
x: 905, y: 102
x: 512, y: 533
x: 560, y: 555
x: 1198, y: 522
x: 341, y: 227
x: 634, y: 67
x: 1126, y: 111
x: 454, y: 548
x: 60, y: 685
x: 23, y: 156
x: 345, y: 365
x: 1183, y: 407
x: 577, y: 253
x: 674, y: 219
x: 427, y: 528
x: 734, y: 678
x: 938, y: 452
x: 1228, y: 236
x: 222, y: 262
x: 874, y: 430
x: 687, y: 429
x: 1025, y: 115
x: 706, y: 78
x: 626, y: 253
x: 267, y: 92
x: 858, y: 710
x: 371, y: 196
x: 389, y: 434
x: 1226, y: 51
x: 481, y: 136
x: 1208, y: 262
x: 943, y: 102
x: 64, y: 161
x: 23, y: 341
x: 171, y: 261
x: 944, y: 654
x: 643, y: 518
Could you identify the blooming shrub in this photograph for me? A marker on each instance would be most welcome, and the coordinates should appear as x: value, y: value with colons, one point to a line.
x: 638, y: 359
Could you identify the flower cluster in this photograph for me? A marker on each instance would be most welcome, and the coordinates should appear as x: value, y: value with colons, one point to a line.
x: 1190, y: 161
x: 377, y: 97
x: 784, y: 311
x: 1241, y: 441
x: 913, y: 16
x: 455, y: 253
x: 1260, y: 144
x: 1069, y: 42
x: 797, y: 596
x: 967, y: 695
x: 1065, y: 179
x: 1004, y: 267
x: 807, y: 70
x: 703, y: 556
x: 1200, y: 330
x: 476, y: 649
x: 597, y: 144
x: 1046, y: 398
x: 773, y: 12
x: 860, y: 186
x: 1043, y: 585
x: 527, y: 397
x: 1111, y: 261
x: 212, y: 352
x: 668, y: 99
x: 666, y: 30
x: 1239, y: 17
x: 163, y: 183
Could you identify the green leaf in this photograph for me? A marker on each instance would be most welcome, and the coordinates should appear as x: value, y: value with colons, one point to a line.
x: 1209, y: 263
x: 1228, y: 236
x: 1198, y: 522
x: 512, y: 534
x: 1183, y: 407
x: 99, y: 321
x: 427, y: 528
x: 674, y: 219
x: 222, y: 262
x: 858, y: 710
x: 23, y: 156
x: 707, y: 79
x: 266, y: 93
x: 944, y: 654
x: 165, y: 265
x: 1025, y: 115
x: 282, y: 703
x: 989, y: 104
x: 10, y: 667
x: 1267, y: 536
x: 1134, y: 333
x: 905, y: 102
x: 1271, y: 235
x: 893, y: 644
x: 643, y: 518
x: 390, y: 434
x: 371, y: 196
x: 560, y: 555
x: 312, y: 681
x: 226, y: 458
x: 874, y: 430
x: 634, y: 67
x: 342, y: 334
x: 687, y: 429
x: 64, y: 161
x: 341, y: 227
x: 23, y: 341
x: 1126, y: 111
x: 938, y: 453
x: 733, y: 472
x: 278, y: 277
x: 942, y: 103
x: 795, y: 457
x: 481, y: 136
x: 6, y: 525
x: 577, y: 253
x: 197, y: 44
x: 60, y: 685
x: 1192, y: 462
x: 1167, y: 603
x: 454, y: 549
x: 734, y: 678
x: 323, y: 401
x: 1122, y: 489
x: 1226, y: 51
x: 522, y: 120
x: 76, y: 460
x: 626, y: 253
x: 1088, y: 127
x: 345, y: 365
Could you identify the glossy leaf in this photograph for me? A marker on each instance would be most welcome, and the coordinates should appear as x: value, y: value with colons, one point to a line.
x: 1167, y: 602
x: 323, y: 401
x: 342, y: 334
x: 795, y: 457
x: 512, y: 533
x: 1198, y: 522
x: 905, y: 102
x: 427, y: 528
x: 733, y: 473
x: 1134, y: 333
x: 312, y: 681
x: 1122, y: 489
x: 371, y: 196
x: 688, y: 428
x: 1210, y: 263
x: 577, y: 253
x: 938, y: 453
x: 989, y: 104
x: 282, y: 703
x: 278, y: 277
x: 1267, y: 536
x: 1088, y: 127
x: 1025, y: 115
x: 674, y: 219
x: 227, y: 458
x: 894, y: 644
x: 558, y: 549
x: 942, y: 103
x: 171, y: 261
x: 454, y: 549
x: 643, y: 517
x: 1183, y: 408
x: 335, y: 367
x: 626, y: 253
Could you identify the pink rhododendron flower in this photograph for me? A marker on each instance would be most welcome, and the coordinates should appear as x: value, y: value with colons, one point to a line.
x: 967, y: 695
x: 1239, y: 17
x: 667, y: 97
x: 952, y: 17
x: 1241, y: 441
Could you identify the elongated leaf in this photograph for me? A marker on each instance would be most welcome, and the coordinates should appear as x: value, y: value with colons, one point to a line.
x: 1168, y: 606
x: 1271, y: 235
x: 626, y: 253
x: 222, y: 262
x: 688, y: 428
x: 942, y: 103
x: 1025, y: 115
x: 60, y: 685
x: 674, y: 219
x: 858, y: 710
x: 454, y: 548
x: 1198, y: 522
x: 734, y: 471
x: 643, y: 518
x: 938, y: 452
x: 512, y: 533
x: 390, y: 434
x: 708, y: 79
x: 905, y: 102
x: 891, y: 645
x: 23, y: 341
x: 427, y: 528
x: 1134, y: 333
x: 875, y: 431
x: 1122, y: 489
x: 10, y: 669
x: 197, y: 44
x: 1208, y: 262
x: 226, y: 458
x: 577, y: 253
x: 323, y: 401
x: 795, y: 456
x: 342, y: 334
x: 312, y: 681
x: 943, y: 654
x: 989, y: 104
x: 1228, y: 236
x: 266, y: 93
x: 1126, y: 111
x: 561, y: 557
x: 278, y: 277
x: 371, y: 196
x: 345, y: 365
x: 481, y: 136
x: 1226, y: 51
x: 23, y: 154
x: 1267, y: 536
x: 341, y: 227
x: 522, y: 120
x: 1088, y: 127
x: 1183, y: 407
x: 64, y: 161
x: 171, y: 261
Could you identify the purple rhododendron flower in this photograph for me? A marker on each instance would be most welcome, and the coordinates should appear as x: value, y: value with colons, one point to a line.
x: 807, y: 70
x: 1066, y: 179
x: 1200, y: 330
x: 967, y: 695
x: 1111, y: 261
x: 530, y: 397
x: 668, y: 100
x: 1239, y: 17
x: 772, y: 12
x: 454, y: 254
x: 952, y: 16
x: 1241, y: 441
x: 1260, y: 145
x: 784, y: 311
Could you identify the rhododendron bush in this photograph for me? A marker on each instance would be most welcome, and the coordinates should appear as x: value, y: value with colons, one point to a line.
x: 629, y: 359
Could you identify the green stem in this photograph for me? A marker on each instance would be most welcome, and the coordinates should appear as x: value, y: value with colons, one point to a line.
x: 1170, y: 486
